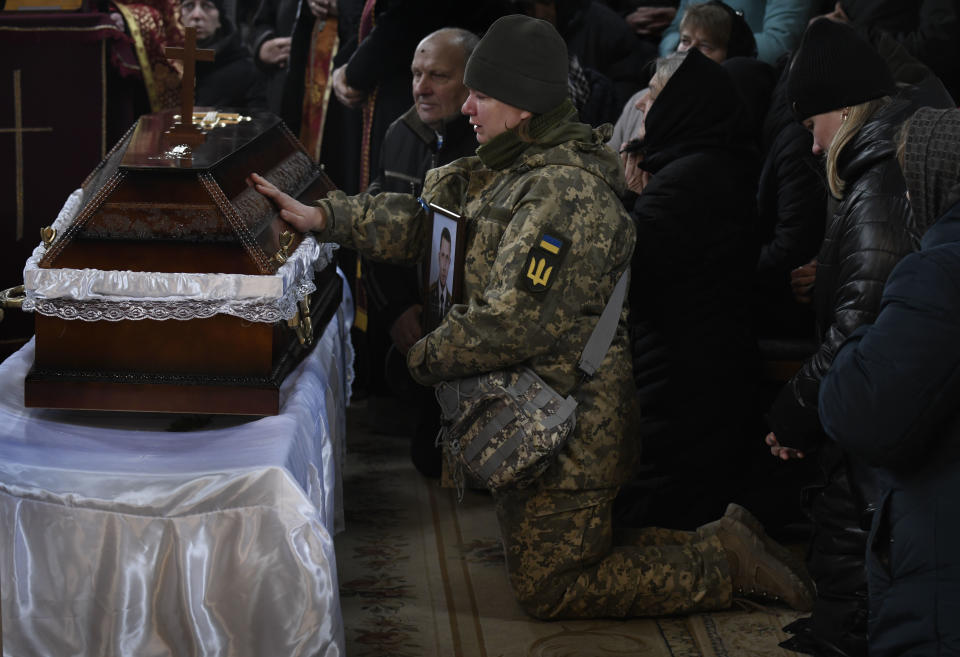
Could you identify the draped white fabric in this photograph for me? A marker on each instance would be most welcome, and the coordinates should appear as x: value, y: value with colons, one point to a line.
x: 95, y: 294
x: 121, y: 537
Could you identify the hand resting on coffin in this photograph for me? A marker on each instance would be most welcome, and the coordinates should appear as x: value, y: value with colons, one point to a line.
x: 302, y: 217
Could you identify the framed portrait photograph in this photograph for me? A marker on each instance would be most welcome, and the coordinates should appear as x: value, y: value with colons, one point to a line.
x: 443, y: 280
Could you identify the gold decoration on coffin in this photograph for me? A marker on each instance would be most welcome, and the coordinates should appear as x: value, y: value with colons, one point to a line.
x: 48, y: 234
x: 301, y: 322
x: 214, y: 119
x: 286, y: 241
x: 12, y: 297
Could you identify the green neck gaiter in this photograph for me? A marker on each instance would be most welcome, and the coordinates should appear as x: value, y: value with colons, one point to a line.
x: 545, y: 130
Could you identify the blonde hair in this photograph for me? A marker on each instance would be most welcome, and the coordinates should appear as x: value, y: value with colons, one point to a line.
x: 901, y: 143
x: 857, y: 117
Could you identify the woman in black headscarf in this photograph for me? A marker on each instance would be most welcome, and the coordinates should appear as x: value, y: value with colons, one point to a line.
x: 695, y: 175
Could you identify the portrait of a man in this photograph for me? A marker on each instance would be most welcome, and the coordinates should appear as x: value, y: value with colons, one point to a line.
x: 443, y: 272
x: 440, y: 298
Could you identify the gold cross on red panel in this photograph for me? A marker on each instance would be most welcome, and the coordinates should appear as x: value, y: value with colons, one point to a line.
x: 18, y: 130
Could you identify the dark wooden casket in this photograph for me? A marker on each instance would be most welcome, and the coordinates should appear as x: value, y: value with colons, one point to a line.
x: 173, y: 286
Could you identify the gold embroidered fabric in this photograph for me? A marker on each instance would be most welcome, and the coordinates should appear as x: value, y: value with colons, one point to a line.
x: 154, y: 24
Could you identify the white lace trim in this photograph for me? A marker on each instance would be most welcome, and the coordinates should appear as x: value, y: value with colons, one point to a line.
x: 95, y: 295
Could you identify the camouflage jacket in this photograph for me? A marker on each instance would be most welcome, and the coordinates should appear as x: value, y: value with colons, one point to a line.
x: 546, y: 240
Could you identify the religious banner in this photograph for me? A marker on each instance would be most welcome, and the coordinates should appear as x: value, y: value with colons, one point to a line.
x: 318, y: 86
x: 53, y: 118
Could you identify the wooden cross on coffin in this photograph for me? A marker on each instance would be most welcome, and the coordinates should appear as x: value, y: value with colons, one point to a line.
x: 184, y: 130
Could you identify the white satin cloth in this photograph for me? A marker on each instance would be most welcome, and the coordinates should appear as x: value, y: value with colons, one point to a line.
x: 96, y: 294
x: 122, y: 538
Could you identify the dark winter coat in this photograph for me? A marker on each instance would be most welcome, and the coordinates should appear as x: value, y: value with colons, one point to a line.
x: 694, y: 254
x: 691, y: 277
x: 231, y: 80
x: 276, y: 18
x: 792, y: 204
x: 891, y: 399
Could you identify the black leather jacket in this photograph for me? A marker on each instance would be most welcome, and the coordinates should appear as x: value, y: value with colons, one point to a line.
x: 872, y: 229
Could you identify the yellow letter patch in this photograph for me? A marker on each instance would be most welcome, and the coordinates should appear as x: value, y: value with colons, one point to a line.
x: 543, y: 263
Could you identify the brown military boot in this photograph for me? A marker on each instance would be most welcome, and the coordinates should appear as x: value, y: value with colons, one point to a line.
x: 759, y: 566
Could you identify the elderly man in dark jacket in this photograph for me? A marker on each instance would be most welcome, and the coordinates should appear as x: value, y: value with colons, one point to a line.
x: 890, y: 399
x: 431, y: 133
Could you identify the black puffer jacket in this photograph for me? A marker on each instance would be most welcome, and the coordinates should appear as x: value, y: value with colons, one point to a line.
x: 871, y: 231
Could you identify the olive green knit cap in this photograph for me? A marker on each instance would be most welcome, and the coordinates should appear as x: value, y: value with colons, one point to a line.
x: 520, y: 61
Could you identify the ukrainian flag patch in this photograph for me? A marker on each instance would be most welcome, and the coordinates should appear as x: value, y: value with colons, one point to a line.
x: 542, y: 265
x: 551, y: 243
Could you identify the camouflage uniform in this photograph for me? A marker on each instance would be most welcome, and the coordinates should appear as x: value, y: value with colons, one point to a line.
x: 557, y: 534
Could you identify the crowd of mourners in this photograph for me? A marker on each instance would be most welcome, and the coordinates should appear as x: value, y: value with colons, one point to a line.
x: 781, y: 181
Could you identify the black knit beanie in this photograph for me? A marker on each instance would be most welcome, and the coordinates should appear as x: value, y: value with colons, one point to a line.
x: 835, y: 68
x: 521, y: 61
x: 932, y: 163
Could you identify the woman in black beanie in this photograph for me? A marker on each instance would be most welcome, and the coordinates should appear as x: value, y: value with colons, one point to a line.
x: 843, y: 92
x: 542, y: 189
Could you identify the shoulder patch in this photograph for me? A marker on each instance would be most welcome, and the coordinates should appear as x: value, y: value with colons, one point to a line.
x: 543, y: 262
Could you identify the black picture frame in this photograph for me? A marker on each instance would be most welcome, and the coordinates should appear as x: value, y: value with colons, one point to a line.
x: 439, y: 298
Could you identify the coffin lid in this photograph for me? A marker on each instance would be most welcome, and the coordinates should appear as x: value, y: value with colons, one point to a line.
x: 155, y: 205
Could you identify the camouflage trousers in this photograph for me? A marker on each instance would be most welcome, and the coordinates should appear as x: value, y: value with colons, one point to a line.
x: 563, y: 562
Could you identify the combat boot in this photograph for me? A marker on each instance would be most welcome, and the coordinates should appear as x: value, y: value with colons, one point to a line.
x: 759, y: 566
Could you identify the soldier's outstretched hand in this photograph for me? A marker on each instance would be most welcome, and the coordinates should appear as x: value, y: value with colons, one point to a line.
x: 303, y: 217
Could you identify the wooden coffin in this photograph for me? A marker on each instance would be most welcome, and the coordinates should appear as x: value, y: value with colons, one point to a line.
x: 180, y: 218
